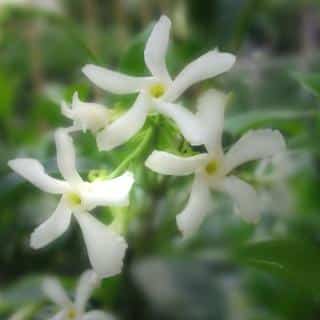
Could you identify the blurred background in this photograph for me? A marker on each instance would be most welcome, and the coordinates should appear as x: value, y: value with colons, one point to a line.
x: 229, y: 270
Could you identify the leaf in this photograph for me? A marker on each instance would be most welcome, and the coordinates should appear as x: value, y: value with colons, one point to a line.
x: 310, y: 81
x: 239, y: 123
x: 292, y: 259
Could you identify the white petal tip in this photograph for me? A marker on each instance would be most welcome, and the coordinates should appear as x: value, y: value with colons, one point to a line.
x: 165, y: 19
x: 34, y: 242
x: 186, y: 230
x: 87, y: 69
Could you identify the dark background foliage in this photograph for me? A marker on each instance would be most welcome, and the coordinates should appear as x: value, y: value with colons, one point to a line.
x: 229, y: 270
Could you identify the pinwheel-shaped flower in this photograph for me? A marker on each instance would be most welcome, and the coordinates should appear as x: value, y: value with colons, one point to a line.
x: 212, y: 170
x: 86, y: 115
x: 106, y: 248
x: 75, y: 310
x: 157, y: 92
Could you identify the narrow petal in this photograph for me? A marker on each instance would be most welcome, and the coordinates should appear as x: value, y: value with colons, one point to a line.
x: 87, y: 283
x: 170, y: 164
x: 156, y: 49
x: 55, y: 292
x: 52, y: 228
x: 33, y: 171
x: 211, y: 106
x: 113, y: 192
x: 205, y: 67
x: 244, y: 196
x: 106, y: 249
x: 254, y: 145
x: 191, y: 217
x: 98, y: 315
x: 66, y: 156
x: 186, y: 121
x: 124, y: 128
x: 115, y: 82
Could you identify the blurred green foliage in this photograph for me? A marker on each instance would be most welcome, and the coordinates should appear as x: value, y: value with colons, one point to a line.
x: 229, y: 270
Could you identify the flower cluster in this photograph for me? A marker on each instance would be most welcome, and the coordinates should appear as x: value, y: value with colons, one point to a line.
x: 156, y: 94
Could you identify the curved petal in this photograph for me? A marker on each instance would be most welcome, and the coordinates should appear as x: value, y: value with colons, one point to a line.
x: 55, y: 292
x: 115, y: 82
x: 87, y: 283
x: 191, y: 217
x: 169, y: 164
x: 53, y: 227
x: 207, y: 66
x: 59, y: 316
x: 185, y: 120
x: 106, y: 249
x: 254, y: 145
x: 122, y: 129
x: 113, y: 192
x: 245, y: 198
x: 156, y: 49
x: 98, y: 315
x: 66, y: 156
x: 211, y: 106
x: 33, y: 171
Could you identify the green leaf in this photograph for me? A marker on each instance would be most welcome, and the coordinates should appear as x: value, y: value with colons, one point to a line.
x: 239, y: 123
x: 310, y: 81
x: 296, y: 260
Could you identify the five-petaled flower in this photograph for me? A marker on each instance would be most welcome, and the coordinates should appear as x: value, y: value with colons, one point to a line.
x: 75, y: 310
x: 157, y: 92
x: 106, y: 248
x: 212, y: 169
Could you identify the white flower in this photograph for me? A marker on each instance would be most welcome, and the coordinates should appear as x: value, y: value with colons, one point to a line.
x: 75, y: 310
x: 106, y: 248
x: 85, y: 115
x: 212, y: 170
x: 156, y: 92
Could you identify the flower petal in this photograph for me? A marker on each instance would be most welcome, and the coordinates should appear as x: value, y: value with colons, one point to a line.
x: 113, y: 192
x: 89, y: 115
x: 254, y: 145
x: 98, y: 315
x: 191, y: 217
x: 207, y: 66
x: 55, y: 292
x: 106, y: 249
x: 66, y: 156
x: 244, y: 196
x: 169, y: 164
x: 115, y: 82
x: 53, y: 227
x: 122, y: 129
x: 211, y: 106
x: 59, y: 316
x: 186, y: 121
x: 156, y: 49
x: 33, y: 171
x: 87, y: 283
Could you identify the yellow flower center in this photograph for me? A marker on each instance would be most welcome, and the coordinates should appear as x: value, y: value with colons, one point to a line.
x: 157, y: 90
x: 71, y: 313
x: 212, y: 167
x: 74, y: 199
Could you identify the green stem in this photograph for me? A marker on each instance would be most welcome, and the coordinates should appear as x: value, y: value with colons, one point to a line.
x: 126, y: 162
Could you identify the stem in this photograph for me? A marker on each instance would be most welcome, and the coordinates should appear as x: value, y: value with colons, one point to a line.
x: 126, y: 162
